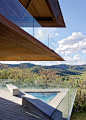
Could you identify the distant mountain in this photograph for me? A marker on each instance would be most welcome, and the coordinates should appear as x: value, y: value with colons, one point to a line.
x: 67, y: 67
x: 61, y: 66
x: 28, y: 65
x: 62, y: 69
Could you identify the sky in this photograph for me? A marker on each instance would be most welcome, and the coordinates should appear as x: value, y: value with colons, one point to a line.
x: 69, y: 42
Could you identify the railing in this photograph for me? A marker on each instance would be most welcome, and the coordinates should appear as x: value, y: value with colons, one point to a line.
x: 66, y: 104
x: 15, y: 12
x: 29, y: 84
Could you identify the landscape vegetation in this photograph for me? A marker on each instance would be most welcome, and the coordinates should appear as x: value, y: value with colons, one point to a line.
x: 28, y: 75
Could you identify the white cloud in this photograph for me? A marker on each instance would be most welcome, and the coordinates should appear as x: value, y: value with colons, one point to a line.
x: 76, y: 60
x: 54, y: 45
x: 56, y: 34
x: 72, y: 44
x: 45, y: 63
x: 84, y: 51
x: 40, y: 34
x: 10, y: 62
x: 50, y: 31
x: 14, y: 62
x: 77, y: 56
x: 74, y: 38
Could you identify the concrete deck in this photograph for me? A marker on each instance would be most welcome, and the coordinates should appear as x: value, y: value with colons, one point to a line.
x: 11, y: 109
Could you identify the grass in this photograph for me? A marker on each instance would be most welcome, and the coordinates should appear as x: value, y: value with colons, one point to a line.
x: 78, y: 116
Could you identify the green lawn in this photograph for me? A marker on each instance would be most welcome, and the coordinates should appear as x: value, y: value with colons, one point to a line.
x: 78, y: 116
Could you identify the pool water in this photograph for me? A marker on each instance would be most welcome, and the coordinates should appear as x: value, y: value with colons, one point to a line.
x: 45, y: 97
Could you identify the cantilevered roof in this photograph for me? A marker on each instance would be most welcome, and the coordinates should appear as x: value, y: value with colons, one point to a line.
x: 46, y: 12
x: 18, y: 45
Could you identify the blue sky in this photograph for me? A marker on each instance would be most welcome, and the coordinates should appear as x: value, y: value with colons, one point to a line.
x: 69, y: 42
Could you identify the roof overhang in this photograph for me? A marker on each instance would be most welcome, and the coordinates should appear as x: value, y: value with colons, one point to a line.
x: 46, y: 12
x: 18, y: 45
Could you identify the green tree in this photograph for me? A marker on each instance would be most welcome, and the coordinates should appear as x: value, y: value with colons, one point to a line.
x: 48, y: 76
x: 5, y: 74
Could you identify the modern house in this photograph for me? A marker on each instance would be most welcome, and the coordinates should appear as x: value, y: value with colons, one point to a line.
x: 21, y: 39
x: 18, y: 45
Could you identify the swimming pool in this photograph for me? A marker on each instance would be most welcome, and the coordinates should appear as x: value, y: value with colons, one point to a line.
x: 45, y: 97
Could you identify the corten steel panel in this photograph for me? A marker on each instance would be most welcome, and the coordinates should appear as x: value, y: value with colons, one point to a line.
x: 18, y: 45
x: 46, y: 12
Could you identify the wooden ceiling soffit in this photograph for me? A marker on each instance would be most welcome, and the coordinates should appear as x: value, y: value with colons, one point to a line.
x: 46, y: 12
x: 18, y: 45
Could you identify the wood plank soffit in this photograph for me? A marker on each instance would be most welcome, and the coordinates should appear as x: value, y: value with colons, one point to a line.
x: 18, y: 45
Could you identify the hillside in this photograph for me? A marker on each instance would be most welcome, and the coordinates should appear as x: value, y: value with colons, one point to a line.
x: 28, y: 65
x: 62, y: 69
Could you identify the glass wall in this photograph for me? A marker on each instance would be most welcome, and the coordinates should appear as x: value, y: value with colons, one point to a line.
x: 30, y: 84
x: 66, y: 104
x: 15, y: 12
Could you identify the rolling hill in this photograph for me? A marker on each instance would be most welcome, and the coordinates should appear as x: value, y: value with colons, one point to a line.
x: 62, y: 69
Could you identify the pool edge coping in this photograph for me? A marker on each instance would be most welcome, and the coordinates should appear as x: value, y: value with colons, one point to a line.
x: 56, y: 100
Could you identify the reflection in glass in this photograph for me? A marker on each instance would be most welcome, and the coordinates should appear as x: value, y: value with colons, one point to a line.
x: 15, y: 12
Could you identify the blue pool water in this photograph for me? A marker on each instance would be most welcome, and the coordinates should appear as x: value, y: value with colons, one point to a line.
x: 45, y: 97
